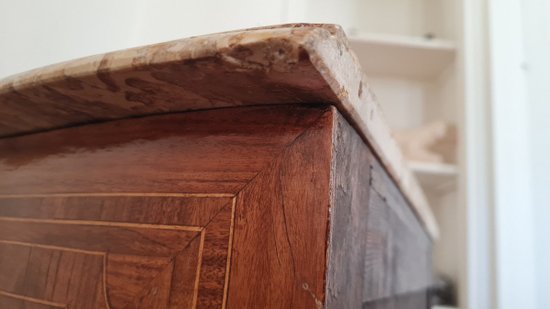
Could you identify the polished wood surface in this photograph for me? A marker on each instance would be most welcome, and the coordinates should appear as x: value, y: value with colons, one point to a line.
x: 214, y: 152
x: 91, y: 251
x: 255, y: 207
x: 295, y: 64
x: 281, y: 226
x: 140, y: 213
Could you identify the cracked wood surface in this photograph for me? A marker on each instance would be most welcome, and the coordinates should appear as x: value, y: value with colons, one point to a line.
x: 289, y: 64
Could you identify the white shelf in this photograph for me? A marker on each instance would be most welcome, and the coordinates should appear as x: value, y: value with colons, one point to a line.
x: 435, y: 177
x: 402, y: 56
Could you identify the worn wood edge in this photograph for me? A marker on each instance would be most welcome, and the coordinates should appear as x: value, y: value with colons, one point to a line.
x: 329, y: 53
x: 274, y: 52
x: 348, y: 213
x: 192, y: 48
x: 338, y: 294
x: 358, y: 104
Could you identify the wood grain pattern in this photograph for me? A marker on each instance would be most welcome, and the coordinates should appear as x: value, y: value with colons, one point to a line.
x: 226, y: 208
x: 298, y: 64
x: 350, y: 173
x: 398, y: 248
x: 377, y: 249
x: 259, y: 66
x: 281, y: 227
x: 13, y: 301
x: 177, y: 153
x: 109, y: 252
x: 409, y: 300
x: 164, y: 194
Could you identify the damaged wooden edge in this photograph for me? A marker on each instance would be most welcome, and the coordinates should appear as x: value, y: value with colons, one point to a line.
x: 286, y: 64
x: 358, y: 103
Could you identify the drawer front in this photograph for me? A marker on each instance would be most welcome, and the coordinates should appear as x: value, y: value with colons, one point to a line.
x: 114, y: 250
x: 206, y: 209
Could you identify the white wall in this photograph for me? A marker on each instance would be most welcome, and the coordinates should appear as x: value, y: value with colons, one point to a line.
x: 477, y: 240
x: 520, y: 39
x: 536, y: 25
x: 174, y: 19
x: 513, y: 212
x: 37, y: 33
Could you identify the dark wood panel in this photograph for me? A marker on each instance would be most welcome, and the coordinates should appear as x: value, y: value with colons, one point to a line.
x: 216, y: 151
x: 418, y: 300
x: 398, y: 247
x: 350, y: 173
x: 279, y: 254
x: 377, y: 247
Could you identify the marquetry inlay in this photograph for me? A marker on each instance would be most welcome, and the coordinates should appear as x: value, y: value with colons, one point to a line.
x: 115, y: 251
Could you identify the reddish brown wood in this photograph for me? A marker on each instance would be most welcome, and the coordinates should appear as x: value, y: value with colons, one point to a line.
x: 142, y: 211
x: 259, y: 66
x: 109, y: 256
x: 293, y: 64
x: 216, y: 151
x: 281, y: 227
x: 257, y: 207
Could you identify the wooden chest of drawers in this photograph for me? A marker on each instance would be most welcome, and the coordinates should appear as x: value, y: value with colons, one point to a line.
x: 266, y: 197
